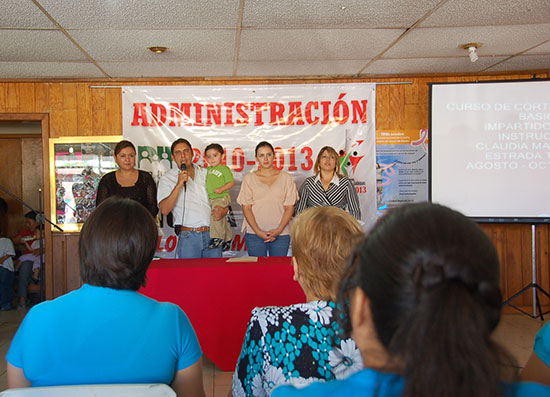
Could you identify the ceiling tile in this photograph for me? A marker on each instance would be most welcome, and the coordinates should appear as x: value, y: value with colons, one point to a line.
x: 37, y: 45
x: 150, y: 14
x: 22, y: 14
x: 335, y: 14
x: 437, y: 42
x: 192, y: 45
x: 491, y: 12
x: 544, y: 48
x: 299, y: 68
x: 167, y: 69
x: 283, y: 37
x: 428, y: 65
x: 523, y: 62
x: 325, y: 44
x: 49, y: 70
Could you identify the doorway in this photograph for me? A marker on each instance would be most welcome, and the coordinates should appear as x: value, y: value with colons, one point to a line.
x: 21, y: 171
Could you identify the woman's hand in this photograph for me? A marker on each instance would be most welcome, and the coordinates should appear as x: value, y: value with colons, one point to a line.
x: 264, y: 236
x: 272, y: 235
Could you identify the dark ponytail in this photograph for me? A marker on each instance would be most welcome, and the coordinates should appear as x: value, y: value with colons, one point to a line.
x: 446, y: 347
x: 432, y: 279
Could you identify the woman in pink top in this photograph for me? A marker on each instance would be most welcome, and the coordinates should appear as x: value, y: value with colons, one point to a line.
x: 267, y: 197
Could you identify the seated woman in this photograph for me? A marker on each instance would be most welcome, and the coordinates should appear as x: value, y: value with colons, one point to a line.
x: 537, y: 368
x: 106, y: 332
x: 424, y: 299
x: 301, y: 343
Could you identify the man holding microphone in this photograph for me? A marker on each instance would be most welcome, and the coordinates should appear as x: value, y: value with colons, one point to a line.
x: 182, y: 191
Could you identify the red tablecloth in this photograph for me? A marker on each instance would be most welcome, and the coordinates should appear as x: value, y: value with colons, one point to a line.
x: 218, y: 297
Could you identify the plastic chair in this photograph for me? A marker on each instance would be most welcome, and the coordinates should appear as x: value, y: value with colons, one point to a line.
x: 118, y: 390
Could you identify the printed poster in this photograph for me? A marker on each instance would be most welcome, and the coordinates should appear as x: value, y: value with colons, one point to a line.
x: 401, y: 167
x: 298, y: 120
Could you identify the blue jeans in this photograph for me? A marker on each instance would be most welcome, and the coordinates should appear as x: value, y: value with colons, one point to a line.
x: 256, y: 246
x: 6, y: 288
x: 195, y: 245
x: 25, y: 273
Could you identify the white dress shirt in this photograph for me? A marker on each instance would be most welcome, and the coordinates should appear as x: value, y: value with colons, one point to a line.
x: 195, y: 212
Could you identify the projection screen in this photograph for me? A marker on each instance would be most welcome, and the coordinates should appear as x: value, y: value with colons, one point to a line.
x: 490, y: 149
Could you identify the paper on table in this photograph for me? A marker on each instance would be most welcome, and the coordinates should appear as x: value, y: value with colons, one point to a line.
x: 243, y: 259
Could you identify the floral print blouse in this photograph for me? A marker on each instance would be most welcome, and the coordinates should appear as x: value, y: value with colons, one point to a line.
x: 296, y: 344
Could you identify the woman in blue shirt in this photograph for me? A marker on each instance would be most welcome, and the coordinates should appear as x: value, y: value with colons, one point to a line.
x: 106, y: 332
x: 424, y: 300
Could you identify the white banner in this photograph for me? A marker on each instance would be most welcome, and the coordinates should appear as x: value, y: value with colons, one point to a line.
x: 298, y: 120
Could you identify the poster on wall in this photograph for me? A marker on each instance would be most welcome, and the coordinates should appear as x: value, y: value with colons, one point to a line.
x: 76, y: 167
x: 298, y: 120
x: 401, y: 167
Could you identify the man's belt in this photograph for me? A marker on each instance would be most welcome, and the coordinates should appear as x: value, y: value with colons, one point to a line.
x: 179, y: 228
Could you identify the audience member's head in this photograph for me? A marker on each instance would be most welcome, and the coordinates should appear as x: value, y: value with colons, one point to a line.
x: 322, y: 239
x: 117, y: 244
x: 31, y: 220
x: 427, y: 281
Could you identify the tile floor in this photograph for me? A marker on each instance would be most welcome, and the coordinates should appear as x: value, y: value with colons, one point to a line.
x: 516, y: 332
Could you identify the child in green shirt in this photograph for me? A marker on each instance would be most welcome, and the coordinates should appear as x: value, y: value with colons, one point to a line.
x: 219, y: 180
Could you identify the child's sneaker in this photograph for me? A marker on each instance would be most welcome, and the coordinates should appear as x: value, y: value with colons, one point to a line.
x: 226, y: 246
x: 215, y: 242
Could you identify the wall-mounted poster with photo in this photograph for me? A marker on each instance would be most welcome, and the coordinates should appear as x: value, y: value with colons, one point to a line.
x: 401, y: 167
x: 76, y: 166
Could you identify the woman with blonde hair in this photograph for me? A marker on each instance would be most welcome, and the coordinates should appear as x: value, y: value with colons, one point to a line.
x: 301, y: 343
x: 328, y: 187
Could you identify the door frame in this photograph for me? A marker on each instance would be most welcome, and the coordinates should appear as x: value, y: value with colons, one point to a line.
x: 44, y: 120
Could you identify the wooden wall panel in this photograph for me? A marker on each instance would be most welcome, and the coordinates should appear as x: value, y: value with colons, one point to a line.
x: 31, y: 166
x: 56, y: 97
x: 69, y: 96
x: 543, y: 260
x: 42, y: 97
x: 113, y: 111
x: 73, y: 262
x: 12, y: 97
x: 98, y: 112
x: 66, y: 265
x: 58, y: 124
x: 3, y: 88
x: 26, y: 98
x: 84, y: 109
x: 514, y: 247
x: 59, y: 260
x: 10, y: 179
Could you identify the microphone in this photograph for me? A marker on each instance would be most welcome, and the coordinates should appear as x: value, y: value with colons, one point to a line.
x: 183, y: 167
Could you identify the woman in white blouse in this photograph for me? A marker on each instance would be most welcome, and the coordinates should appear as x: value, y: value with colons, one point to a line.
x: 328, y: 187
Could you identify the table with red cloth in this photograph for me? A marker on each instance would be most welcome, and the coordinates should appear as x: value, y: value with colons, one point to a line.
x: 218, y: 297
